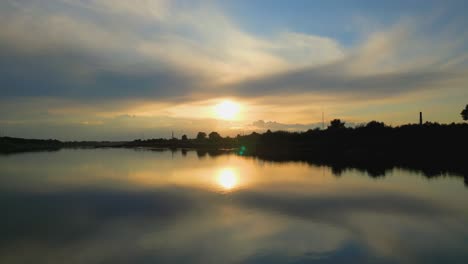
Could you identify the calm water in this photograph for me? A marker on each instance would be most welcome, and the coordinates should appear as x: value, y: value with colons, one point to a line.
x: 138, y: 206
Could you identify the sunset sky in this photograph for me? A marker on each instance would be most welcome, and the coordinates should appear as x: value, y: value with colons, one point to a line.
x: 120, y: 70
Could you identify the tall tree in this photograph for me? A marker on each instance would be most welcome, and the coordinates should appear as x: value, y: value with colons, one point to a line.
x: 336, y: 124
x: 464, y: 113
x: 201, y: 135
x: 214, y: 136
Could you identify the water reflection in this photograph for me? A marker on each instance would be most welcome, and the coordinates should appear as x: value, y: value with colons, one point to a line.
x: 227, y: 178
x: 126, y: 206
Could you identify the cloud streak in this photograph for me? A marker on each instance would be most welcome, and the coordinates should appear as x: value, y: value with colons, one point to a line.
x: 165, y: 52
x: 72, y: 53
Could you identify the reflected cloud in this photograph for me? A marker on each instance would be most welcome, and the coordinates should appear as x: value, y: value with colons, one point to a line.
x: 83, y: 214
x: 335, y: 208
x: 156, y: 207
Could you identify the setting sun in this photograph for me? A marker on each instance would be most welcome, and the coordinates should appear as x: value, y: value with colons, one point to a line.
x: 227, y: 110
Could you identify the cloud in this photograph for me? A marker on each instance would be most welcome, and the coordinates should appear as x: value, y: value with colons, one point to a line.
x: 71, y: 75
x: 104, y: 52
x: 274, y: 126
x: 395, y: 61
x: 115, y: 120
x: 304, y: 49
x: 166, y: 51
x: 105, y: 49
x: 327, y: 80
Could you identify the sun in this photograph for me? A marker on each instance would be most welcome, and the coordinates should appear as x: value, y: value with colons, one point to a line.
x: 227, y: 110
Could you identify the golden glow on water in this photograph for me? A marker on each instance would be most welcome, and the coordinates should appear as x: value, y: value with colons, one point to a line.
x: 280, y: 200
x: 227, y: 179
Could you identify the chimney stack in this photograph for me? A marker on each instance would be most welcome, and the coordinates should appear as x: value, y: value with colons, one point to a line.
x: 420, y: 119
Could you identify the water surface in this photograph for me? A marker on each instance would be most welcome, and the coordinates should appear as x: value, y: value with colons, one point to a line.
x: 140, y: 206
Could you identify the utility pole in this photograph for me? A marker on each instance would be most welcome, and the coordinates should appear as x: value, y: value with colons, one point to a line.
x: 323, y: 121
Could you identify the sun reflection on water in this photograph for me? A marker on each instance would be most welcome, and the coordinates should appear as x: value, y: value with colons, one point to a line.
x: 227, y: 179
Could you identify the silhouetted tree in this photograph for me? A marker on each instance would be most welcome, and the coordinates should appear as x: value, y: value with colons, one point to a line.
x: 375, y: 125
x: 464, y: 113
x: 184, y: 137
x: 201, y: 135
x: 214, y: 136
x: 336, y: 124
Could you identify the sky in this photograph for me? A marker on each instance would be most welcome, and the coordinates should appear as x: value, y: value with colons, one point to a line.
x: 120, y: 70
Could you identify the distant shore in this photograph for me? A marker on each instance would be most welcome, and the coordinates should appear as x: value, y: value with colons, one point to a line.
x: 431, y: 146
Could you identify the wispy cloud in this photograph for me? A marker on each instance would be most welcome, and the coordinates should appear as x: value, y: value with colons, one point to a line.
x: 165, y: 52
x: 170, y: 53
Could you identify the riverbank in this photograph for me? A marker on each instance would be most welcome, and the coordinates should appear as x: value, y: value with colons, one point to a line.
x: 434, y: 148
